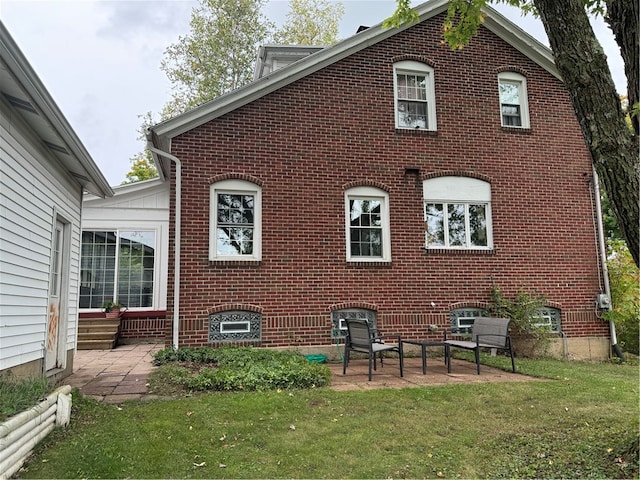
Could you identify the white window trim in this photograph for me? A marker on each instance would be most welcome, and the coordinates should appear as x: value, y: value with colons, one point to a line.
x: 159, y: 287
x: 235, y: 187
x: 513, y: 77
x: 459, y: 190
x: 412, y: 67
x: 368, y: 193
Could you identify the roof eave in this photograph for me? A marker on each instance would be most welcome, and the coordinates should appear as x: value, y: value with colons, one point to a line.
x: 91, y: 178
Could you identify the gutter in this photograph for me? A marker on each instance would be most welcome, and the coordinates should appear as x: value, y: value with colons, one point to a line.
x: 178, y: 224
x: 603, y: 259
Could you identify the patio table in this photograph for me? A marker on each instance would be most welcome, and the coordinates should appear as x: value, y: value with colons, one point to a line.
x: 423, y: 344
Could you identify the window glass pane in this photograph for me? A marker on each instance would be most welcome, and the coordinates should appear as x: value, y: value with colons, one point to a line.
x: 135, y: 268
x: 412, y: 100
x: 366, y: 227
x: 235, y: 214
x: 234, y: 241
x: 478, y: 225
x: 509, y: 93
x: 457, y: 233
x: 97, y: 270
x: 412, y: 114
x: 434, y: 218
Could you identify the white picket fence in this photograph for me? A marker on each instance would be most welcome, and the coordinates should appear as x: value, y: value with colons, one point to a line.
x: 21, y: 433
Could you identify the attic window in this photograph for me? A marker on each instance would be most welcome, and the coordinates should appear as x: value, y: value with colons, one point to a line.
x: 514, y: 108
x: 19, y: 103
x: 414, y: 96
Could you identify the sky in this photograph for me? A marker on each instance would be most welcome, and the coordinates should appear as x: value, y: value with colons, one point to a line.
x: 100, y: 59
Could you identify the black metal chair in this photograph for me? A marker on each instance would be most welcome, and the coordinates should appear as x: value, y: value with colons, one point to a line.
x: 362, y: 338
x: 488, y: 332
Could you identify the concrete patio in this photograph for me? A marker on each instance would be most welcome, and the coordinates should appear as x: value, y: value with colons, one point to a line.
x: 117, y: 375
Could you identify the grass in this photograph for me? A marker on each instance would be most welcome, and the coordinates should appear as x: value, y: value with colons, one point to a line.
x: 583, y: 423
x: 17, y: 395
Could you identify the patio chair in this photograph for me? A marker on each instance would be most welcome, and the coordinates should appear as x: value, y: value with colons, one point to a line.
x: 362, y: 338
x: 488, y: 332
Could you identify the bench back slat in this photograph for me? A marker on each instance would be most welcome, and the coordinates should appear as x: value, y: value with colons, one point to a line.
x: 492, y: 330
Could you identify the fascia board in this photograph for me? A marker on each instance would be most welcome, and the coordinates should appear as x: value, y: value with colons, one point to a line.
x: 521, y: 41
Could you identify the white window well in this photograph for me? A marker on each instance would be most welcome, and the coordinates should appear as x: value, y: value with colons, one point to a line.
x: 514, y: 108
x: 367, y: 225
x: 457, y: 213
x: 414, y: 92
x: 235, y: 221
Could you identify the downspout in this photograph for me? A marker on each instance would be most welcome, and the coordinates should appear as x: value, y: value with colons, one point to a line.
x: 603, y: 258
x: 176, y: 259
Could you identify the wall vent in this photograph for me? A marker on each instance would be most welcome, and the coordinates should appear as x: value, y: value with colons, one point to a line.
x: 19, y: 103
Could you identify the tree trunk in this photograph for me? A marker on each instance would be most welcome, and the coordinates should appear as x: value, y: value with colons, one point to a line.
x: 622, y: 17
x: 583, y: 66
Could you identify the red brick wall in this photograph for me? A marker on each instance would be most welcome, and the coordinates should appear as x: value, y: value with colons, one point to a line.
x: 308, y: 140
x: 143, y: 326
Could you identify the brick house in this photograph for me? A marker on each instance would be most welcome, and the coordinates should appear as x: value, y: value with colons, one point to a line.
x: 385, y: 177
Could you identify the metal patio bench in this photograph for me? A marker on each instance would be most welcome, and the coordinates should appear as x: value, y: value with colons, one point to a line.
x: 488, y: 332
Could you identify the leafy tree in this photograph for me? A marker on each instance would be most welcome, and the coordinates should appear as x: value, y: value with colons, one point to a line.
x: 142, y: 165
x: 625, y: 296
x: 217, y: 55
x: 311, y: 22
x: 583, y: 65
x: 142, y: 168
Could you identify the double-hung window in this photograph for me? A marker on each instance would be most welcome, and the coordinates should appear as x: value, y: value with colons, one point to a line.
x: 367, y: 225
x: 414, y: 96
x: 235, y: 223
x: 457, y: 213
x: 514, y: 109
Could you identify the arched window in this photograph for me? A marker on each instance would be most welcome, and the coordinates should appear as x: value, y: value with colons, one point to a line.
x: 235, y: 221
x: 414, y: 96
x: 514, y: 105
x: 367, y: 225
x: 457, y: 213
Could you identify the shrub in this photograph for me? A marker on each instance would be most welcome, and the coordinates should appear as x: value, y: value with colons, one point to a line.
x: 625, y: 296
x: 242, y: 368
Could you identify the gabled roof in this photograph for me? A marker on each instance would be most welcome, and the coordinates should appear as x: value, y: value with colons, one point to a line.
x: 23, y: 91
x: 161, y: 134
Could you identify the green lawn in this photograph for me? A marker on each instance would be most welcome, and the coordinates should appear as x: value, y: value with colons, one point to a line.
x: 579, y: 424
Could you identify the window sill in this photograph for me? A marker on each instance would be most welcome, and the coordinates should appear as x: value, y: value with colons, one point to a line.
x: 361, y: 264
x: 459, y: 251
x: 235, y: 263
x: 416, y: 132
x: 517, y: 130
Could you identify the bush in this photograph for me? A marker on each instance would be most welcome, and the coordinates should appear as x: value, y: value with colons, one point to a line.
x: 625, y: 296
x: 242, y: 368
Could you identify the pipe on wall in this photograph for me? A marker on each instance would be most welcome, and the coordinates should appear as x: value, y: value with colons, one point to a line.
x: 176, y: 261
x: 603, y: 259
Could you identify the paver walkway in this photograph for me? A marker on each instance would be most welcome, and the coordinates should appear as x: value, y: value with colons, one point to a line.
x: 114, y: 376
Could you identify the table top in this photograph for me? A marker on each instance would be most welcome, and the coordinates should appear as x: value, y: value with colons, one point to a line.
x: 428, y: 343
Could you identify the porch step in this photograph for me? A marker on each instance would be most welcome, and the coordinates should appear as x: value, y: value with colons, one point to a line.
x: 98, y: 333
